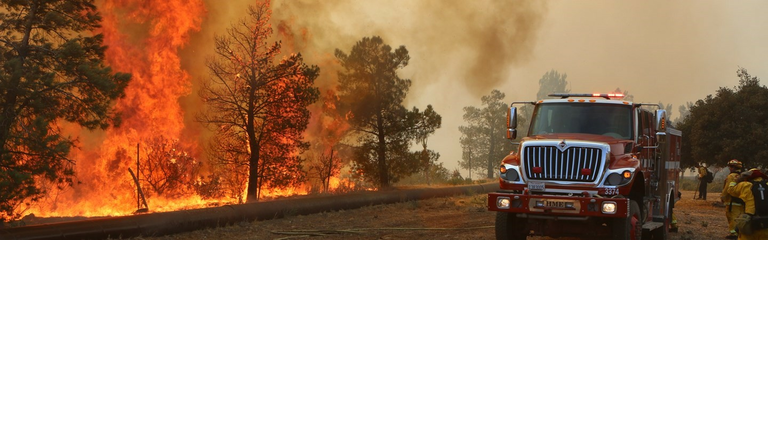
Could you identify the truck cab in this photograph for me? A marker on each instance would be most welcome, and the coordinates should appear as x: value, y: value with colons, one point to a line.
x: 589, y: 166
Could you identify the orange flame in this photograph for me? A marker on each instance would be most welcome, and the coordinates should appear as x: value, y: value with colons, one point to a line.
x: 146, y: 38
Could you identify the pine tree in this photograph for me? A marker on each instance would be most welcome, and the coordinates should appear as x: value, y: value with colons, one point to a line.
x: 371, y: 96
x: 483, y: 138
x: 52, y: 73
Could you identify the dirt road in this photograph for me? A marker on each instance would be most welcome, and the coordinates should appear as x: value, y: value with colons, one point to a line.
x: 453, y: 218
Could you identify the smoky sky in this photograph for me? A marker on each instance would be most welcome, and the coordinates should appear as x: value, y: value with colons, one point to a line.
x: 474, y: 42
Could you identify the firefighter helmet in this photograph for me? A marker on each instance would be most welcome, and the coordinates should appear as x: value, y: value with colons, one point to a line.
x: 735, y: 163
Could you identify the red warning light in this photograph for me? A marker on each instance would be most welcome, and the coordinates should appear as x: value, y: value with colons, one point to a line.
x: 608, y: 95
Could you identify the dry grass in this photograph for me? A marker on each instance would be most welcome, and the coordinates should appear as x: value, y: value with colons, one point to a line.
x: 700, y: 219
x: 454, y: 218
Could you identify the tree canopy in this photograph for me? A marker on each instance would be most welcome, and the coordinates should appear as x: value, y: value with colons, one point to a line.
x: 52, y: 72
x: 552, y: 82
x: 732, y: 124
x: 256, y: 104
x: 371, y: 96
x: 483, y: 138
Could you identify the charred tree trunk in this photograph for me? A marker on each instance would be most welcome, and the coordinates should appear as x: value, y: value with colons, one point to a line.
x: 254, y: 185
x: 254, y: 144
x: 327, y: 174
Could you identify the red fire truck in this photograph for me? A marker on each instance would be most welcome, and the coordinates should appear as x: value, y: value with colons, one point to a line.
x: 591, y: 166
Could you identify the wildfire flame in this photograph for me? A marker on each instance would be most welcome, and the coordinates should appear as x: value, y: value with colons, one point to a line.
x: 146, y: 38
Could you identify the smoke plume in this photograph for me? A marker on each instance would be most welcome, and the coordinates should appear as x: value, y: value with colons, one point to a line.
x: 474, y: 43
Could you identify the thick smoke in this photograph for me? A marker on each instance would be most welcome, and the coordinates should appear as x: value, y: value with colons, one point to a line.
x: 474, y: 44
x: 468, y: 48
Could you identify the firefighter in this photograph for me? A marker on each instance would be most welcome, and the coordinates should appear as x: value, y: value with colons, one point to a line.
x: 733, y: 206
x: 702, y: 181
x: 743, y: 190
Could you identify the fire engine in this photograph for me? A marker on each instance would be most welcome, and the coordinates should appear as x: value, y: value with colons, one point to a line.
x: 591, y: 166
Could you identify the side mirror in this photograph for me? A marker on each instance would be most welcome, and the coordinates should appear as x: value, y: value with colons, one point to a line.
x: 661, y: 120
x: 512, y: 123
x: 661, y: 125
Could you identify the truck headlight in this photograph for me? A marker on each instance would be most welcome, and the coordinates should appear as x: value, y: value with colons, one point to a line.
x: 618, y: 179
x: 613, y: 180
x: 503, y: 203
x: 509, y: 174
x: 610, y: 207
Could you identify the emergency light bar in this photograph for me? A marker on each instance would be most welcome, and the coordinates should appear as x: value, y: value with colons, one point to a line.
x: 593, y: 95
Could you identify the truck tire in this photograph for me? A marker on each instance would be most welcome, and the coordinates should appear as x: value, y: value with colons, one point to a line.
x: 663, y: 232
x: 509, y: 227
x: 629, y: 228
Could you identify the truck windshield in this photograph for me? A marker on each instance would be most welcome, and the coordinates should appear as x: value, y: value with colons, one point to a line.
x: 597, y: 119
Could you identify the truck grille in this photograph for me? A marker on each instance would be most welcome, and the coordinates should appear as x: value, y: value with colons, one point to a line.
x: 580, y: 164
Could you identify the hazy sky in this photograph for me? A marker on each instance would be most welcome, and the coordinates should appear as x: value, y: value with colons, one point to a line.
x: 670, y: 51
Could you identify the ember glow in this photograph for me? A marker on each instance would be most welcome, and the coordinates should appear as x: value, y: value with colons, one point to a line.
x: 144, y: 38
x: 149, y: 39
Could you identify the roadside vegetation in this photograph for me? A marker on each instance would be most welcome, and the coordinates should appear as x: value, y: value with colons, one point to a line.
x: 731, y: 124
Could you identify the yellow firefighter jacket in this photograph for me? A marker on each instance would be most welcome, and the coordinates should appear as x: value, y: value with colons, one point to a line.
x: 730, y: 181
x: 743, y: 190
x: 702, y: 173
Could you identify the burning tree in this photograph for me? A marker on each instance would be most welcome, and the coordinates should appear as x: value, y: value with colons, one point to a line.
x: 371, y: 97
x: 168, y: 170
x: 257, y: 103
x: 324, y: 165
x: 230, y: 159
x: 328, y: 153
x: 52, y: 73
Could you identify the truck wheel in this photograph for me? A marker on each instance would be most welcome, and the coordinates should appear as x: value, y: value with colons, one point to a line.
x: 662, y: 233
x: 629, y: 228
x: 509, y: 227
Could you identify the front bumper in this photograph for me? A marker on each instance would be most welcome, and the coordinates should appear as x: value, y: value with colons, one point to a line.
x: 559, y: 206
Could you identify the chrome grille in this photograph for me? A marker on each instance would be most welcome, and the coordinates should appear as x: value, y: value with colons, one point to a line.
x: 562, y: 165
